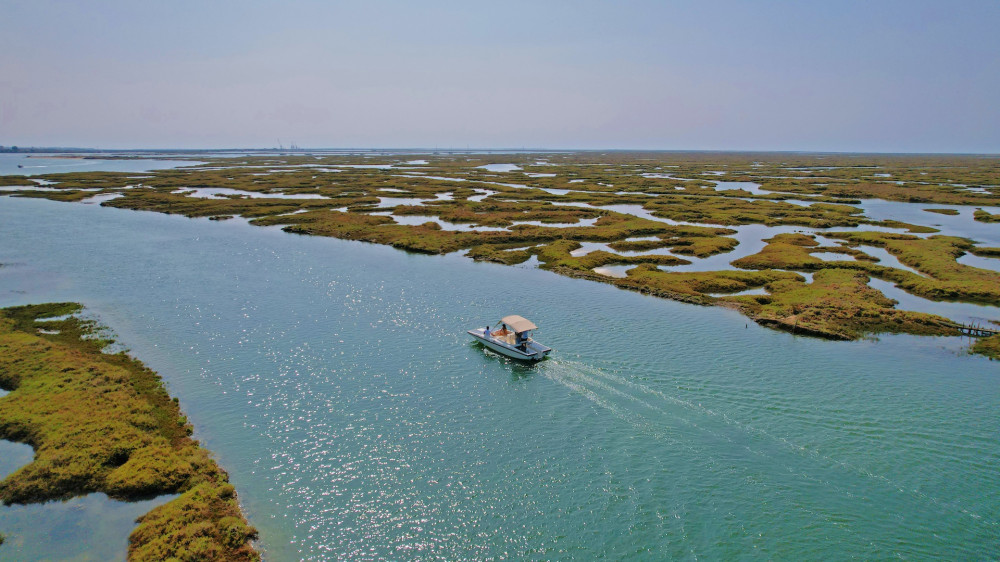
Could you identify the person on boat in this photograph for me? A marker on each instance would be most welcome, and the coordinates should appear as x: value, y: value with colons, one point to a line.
x: 486, y: 332
x: 522, y: 341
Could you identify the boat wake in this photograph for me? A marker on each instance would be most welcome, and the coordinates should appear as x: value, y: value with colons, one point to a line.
x: 651, y: 411
x: 703, y: 432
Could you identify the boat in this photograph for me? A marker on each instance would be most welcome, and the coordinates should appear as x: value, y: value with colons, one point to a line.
x: 513, y: 339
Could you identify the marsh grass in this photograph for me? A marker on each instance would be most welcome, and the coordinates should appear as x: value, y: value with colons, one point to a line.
x: 990, y: 347
x: 102, y: 422
x: 838, y: 304
x: 984, y: 216
x: 580, y: 185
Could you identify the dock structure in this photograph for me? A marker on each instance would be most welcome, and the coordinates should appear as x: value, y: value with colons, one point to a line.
x: 976, y: 330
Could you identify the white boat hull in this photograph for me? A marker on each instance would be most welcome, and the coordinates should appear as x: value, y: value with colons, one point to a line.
x: 533, y: 351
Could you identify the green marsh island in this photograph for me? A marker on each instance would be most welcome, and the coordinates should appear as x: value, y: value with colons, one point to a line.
x: 101, y: 422
x: 754, y: 352
x: 821, y: 245
x: 759, y: 243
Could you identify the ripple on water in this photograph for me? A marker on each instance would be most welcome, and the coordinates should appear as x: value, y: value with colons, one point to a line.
x: 335, y: 382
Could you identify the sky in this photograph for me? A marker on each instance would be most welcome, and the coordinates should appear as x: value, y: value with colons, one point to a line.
x: 853, y: 76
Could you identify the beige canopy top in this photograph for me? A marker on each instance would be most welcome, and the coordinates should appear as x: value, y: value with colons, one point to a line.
x: 518, y: 323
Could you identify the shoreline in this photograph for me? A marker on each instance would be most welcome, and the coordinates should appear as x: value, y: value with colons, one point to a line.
x: 61, y: 384
x: 654, y: 214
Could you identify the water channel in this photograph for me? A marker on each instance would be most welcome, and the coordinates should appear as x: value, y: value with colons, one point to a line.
x: 335, y: 382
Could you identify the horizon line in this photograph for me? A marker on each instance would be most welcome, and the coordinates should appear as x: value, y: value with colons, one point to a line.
x: 15, y: 149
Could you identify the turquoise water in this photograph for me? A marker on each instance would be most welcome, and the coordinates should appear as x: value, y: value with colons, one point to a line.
x: 335, y: 382
x: 91, y: 528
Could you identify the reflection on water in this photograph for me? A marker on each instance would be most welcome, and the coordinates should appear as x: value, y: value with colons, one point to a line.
x: 98, y: 199
x: 965, y: 313
x: 500, y: 167
x: 335, y: 381
x: 757, y: 291
x: 752, y: 239
x: 887, y: 259
x: 90, y: 528
x: 209, y: 192
x: 481, y: 194
x: 618, y: 271
x: 832, y: 256
x: 12, y: 455
x: 41, y: 188
x: 417, y: 220
x: 384, y: 202
x: 748, y: 186
x: 588, y: 247
x: 961, y: 224
x: 972, y: 260
x: 807, y: 275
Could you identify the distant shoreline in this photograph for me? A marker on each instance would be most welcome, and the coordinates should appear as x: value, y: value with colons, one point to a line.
x: 57, y: 157
x: 786, y: 240
x: 466, y: 151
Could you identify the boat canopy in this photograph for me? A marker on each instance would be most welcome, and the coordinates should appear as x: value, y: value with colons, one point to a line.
x: 519, y: 323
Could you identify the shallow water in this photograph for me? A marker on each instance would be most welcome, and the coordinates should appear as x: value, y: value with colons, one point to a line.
x: 587, y: 247
x: 500, y: 167
x: 13, y: 455
x: 481, y: 194
x: 40, y: 164
x: 982, y: 262
x: 385, y: 202
x: 889, y: 260
x: 39, y: 187
x: 417, y: 220
x: 832, y: 256
x: 617, y: 271
x: 962, y: 312
x: 578, y: 223
x: 747, y: 186
x: 93, y: 527
x: 89, y: 528
x: 962, y: 224
x: 214, y: 192
x: 335, y: 382
x: 757, y: 291
x: 752, y: 239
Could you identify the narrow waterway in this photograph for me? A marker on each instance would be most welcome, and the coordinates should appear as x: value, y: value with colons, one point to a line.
x: 335, y: 381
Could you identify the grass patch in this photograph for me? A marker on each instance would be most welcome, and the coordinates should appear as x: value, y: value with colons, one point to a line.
x: 990, y: 347
x: 104, y: 423
x: 936, y: 256
x: 612, y: 187
x: 838, y: 304
x: 984, y: 216
x: 985, y: 252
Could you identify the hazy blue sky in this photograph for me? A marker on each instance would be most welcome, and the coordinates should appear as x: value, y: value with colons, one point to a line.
x: 797, y: 75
